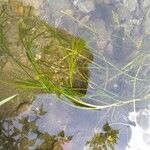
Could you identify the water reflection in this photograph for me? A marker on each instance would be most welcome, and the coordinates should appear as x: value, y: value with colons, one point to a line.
x: 55, y: 125
x: 106, y: 140
x: 23, y: 132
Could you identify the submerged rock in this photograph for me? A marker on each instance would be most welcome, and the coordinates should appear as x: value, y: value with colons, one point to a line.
x: 85, y: 5
x: 144, y: 3
x: 123, y: 13
x: 52, y: 9
x: 43, y: 53
x: 146, y: 21
x: 130, y: 5
x: 24, y: 108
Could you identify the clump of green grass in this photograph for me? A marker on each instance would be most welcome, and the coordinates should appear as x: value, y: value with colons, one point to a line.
x: 35, y: 71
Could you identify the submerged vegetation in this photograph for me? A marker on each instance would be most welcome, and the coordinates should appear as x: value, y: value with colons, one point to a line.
x: 43, y: 58
x: 104, y: 140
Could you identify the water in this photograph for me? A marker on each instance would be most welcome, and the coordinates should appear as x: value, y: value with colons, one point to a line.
x: 117, y: 32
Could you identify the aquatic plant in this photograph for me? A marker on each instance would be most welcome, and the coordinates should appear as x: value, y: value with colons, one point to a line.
x: 104, y: 140
x: 130, y: 70
x: 41, y: 73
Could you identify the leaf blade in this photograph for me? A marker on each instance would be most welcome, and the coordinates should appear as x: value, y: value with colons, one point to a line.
x: 7, y: 99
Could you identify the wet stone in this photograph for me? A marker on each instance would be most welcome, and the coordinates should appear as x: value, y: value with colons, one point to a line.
x: 130, y: 5
x: 144, y: 3
x: 146, y: 21
x: 85, y: 5
x: 123, y: 13
x: 53, y: 50
x: 24, y: 107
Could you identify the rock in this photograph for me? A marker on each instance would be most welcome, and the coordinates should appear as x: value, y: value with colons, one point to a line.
x: 136, y: 33
x: 130, y: 5
x: 145, y: 46
x: 109, y: 50
x: 24, y: 108
x: 123, y: 13
x: 85, y: 5
x: 107, y: 1
x: 129, y: 25
x: 144, y: 3
x: 97, y: 34
x: 146, y: 21
x: 103, y: 1
x: 122, y: 46
x: 116, y: 1
x: 138, y: 13
x: 102, y: 36
x: 99, y: 27
x: 52, y: 9
x: 60, y: 21
x: 50, y: 47
x: 99, y: 1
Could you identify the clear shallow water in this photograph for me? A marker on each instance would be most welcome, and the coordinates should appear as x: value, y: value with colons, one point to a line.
x: 113, y: 49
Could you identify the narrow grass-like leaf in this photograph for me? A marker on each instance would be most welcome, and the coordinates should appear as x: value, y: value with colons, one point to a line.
x: 2, y: 102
